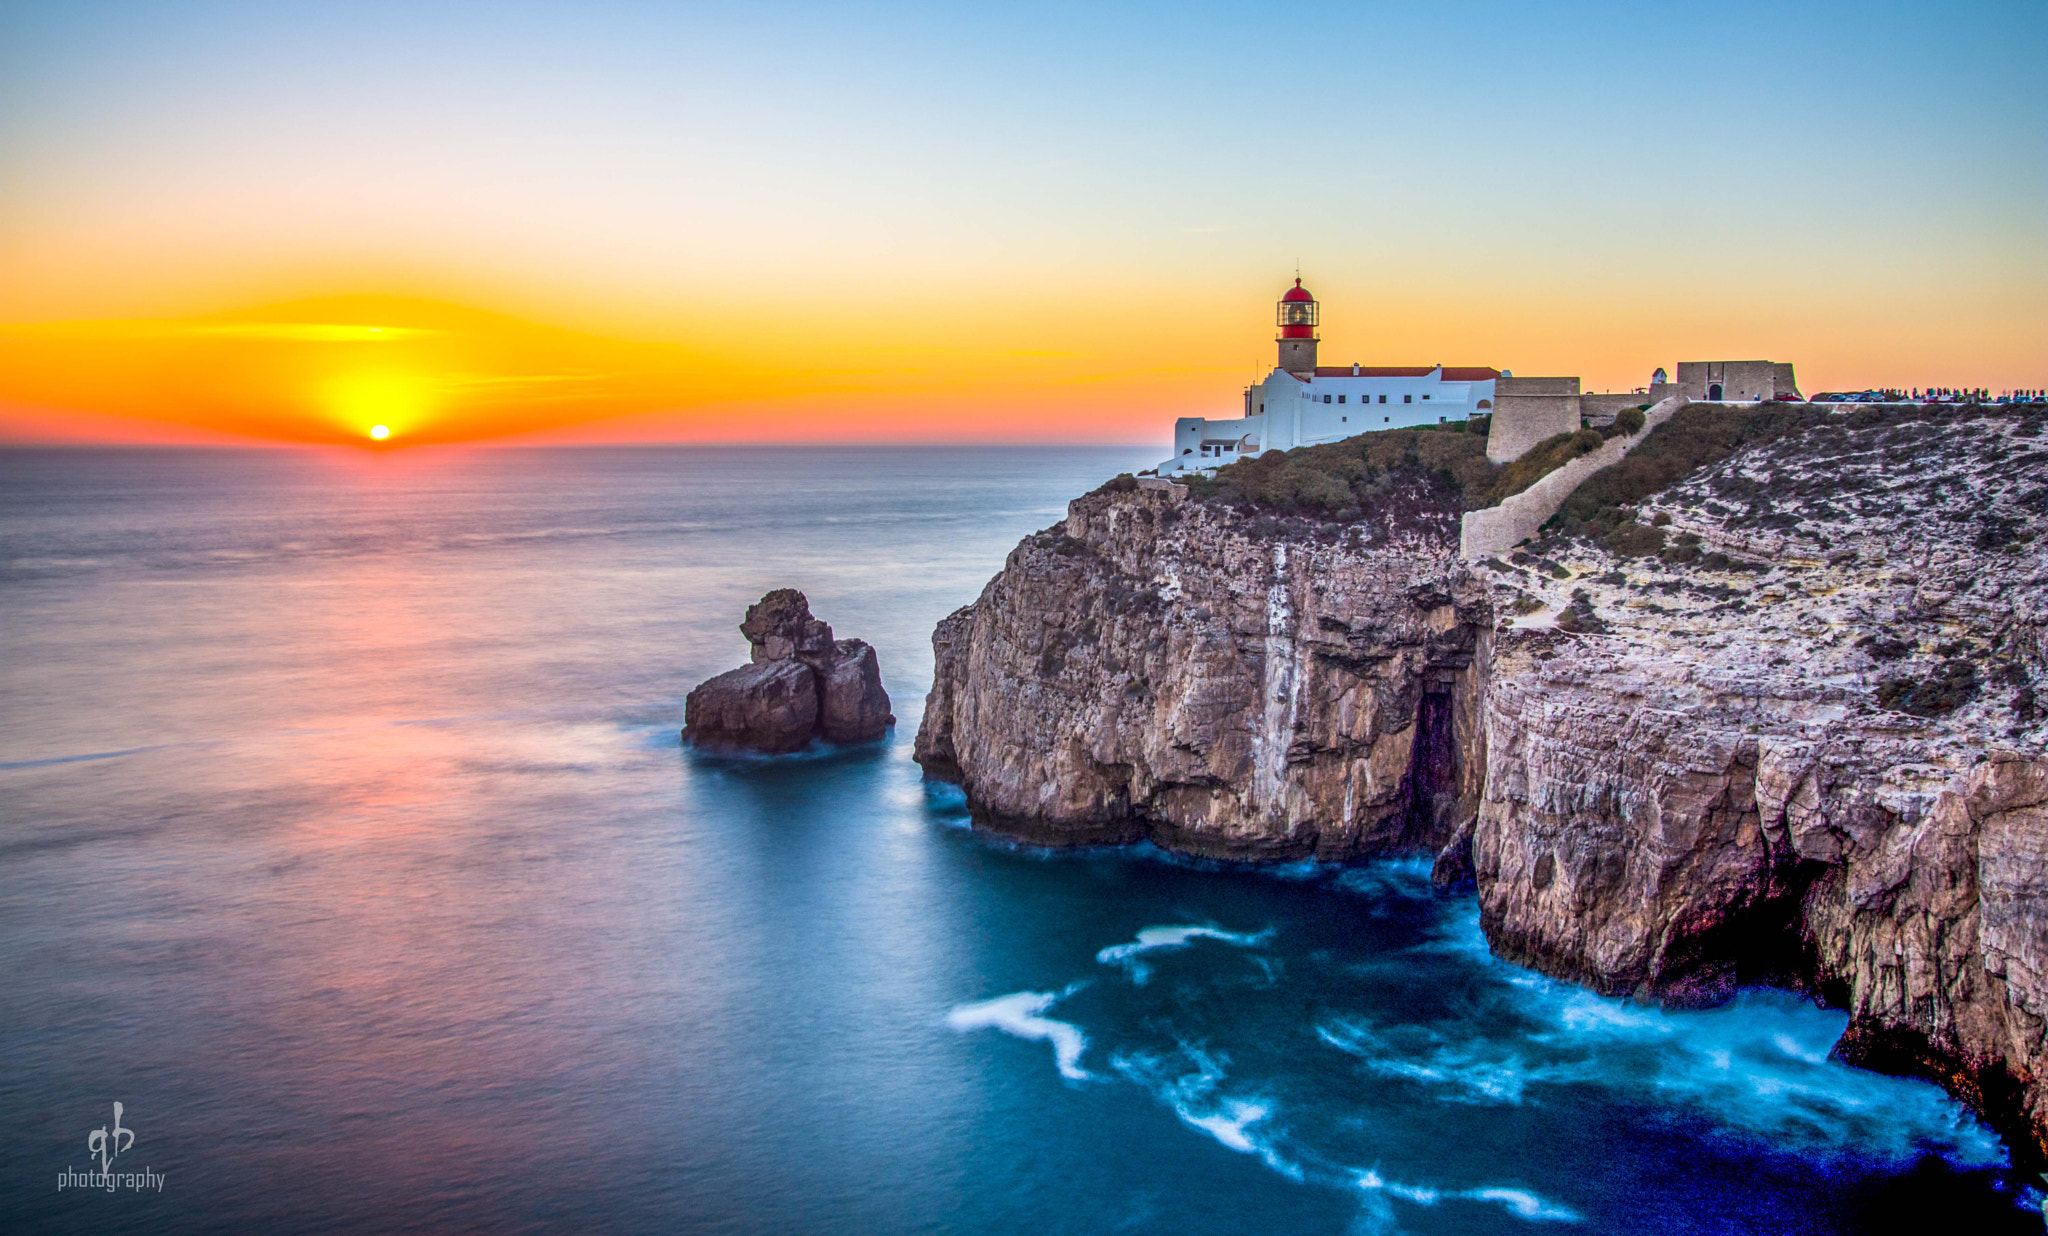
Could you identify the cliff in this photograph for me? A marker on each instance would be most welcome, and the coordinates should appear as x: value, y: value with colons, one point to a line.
x: 1799, y: 744
x: 1774, y: 721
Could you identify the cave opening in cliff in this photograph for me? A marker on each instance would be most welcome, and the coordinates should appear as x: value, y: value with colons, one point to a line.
x: 1429, y: 786
x: 1762, y: 942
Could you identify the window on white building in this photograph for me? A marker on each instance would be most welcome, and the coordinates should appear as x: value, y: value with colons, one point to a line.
x: 1383, y: 398
x: 1340, y: 399
x: 1407, y: 399
x: 1326, y: 399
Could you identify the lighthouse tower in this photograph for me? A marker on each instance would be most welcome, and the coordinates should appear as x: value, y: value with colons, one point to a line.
x: 1297, y: 321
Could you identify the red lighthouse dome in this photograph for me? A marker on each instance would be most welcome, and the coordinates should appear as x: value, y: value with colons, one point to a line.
x: 1297, y: 313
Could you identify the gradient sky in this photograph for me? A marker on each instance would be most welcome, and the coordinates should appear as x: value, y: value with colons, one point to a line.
x: 1041, y: 223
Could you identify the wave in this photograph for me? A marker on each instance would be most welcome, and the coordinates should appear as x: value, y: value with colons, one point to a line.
x: 1159, y: 939
x: 1193, y: 1093
x: 1521, y: 1203
x: 1478, y: 1071
x: 1758, y: 1066
x: 1757, y: 1070
x: 1020, y: 1014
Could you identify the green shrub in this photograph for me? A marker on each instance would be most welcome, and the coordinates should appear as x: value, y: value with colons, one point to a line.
x: 1395, y: 472
x: 1633, y: 540
x: 1629, y: 421
x: 1579, y: 618
x: 1540, y: 461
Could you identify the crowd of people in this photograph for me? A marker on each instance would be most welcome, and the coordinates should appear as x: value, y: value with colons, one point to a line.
x: 1948, y: 394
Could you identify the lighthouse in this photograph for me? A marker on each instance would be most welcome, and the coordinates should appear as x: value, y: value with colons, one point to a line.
x: 1301, y: 404
x: 1296, y: 318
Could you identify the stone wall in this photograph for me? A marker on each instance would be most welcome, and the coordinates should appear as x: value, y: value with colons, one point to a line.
x: 1739, y: 381
x: 1528, y: 410
x: 1498, y: 529
x: 1536, y: 386
x: 1521, y: 421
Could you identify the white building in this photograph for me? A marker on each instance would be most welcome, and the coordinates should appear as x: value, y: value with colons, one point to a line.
x: 1301, y: 403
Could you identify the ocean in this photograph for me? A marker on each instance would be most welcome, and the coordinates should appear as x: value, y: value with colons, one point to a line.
x: 347, y: 844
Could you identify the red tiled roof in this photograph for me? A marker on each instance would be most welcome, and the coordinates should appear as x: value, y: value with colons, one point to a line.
x: 1477, y: 373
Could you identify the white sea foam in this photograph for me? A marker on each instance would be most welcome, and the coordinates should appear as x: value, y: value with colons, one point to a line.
x: 1227, y: 1124
x: 1524, y: 1205
x: 1158, y: 939
x: 1240, y: 1123
x: 1021, y: 1014
x: 1475, y: 1071
x: 1418, y: 1194
x: 1758, y: 1066
x: 1518, y: 1202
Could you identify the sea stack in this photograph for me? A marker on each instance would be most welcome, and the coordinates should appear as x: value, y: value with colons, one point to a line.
x: 802, y: 685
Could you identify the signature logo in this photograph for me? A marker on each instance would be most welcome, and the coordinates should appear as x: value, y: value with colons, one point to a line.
x: 106, y: 1142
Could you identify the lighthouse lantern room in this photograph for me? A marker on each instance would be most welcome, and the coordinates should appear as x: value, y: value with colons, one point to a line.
x: 1296, y: 316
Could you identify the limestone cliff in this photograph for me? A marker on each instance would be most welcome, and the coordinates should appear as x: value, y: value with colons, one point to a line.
x: 1805, y: 750
x: 1799, y: 745
x: 1221, y: 684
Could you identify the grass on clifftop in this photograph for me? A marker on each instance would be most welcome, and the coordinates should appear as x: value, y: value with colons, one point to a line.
x: 1346, y: 480
x: 1699, y: 436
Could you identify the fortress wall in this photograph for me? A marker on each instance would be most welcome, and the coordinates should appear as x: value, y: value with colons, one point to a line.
x: 1739, y: 380
x: 1521, y: 421
x: 1498, y: 529
x: 1783, y: 382
x: 1535, y: 386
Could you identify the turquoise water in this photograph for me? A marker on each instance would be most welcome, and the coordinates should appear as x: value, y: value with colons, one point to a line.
x: 347, y: 844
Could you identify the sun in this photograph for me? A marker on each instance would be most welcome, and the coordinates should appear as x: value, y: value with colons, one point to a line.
x: 383, y: 403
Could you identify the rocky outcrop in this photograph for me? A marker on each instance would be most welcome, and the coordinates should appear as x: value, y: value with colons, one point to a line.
x: 1807, y: 751
x: 802, y: 685
x: 1800, y: 746
x: 1221, y: 684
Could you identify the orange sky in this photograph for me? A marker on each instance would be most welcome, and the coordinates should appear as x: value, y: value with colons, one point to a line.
x: 531, y: 223
x: 1100, y: 367
x: 327, y: 370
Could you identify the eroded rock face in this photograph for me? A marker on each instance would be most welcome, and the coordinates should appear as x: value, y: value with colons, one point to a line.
x: 1818, y: 764
x: 770, y: 707
x: 802, y: 685
x: 854, y: 708
x: 780, y: 626
x: 1156, y: 668
x: 1809, y: 751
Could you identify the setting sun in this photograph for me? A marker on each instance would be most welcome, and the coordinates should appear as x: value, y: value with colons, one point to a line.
x: 380, y: 432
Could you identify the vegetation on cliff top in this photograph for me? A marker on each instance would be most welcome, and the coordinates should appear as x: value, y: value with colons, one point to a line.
x: 1385, y: 471
x: 1700, y: 436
